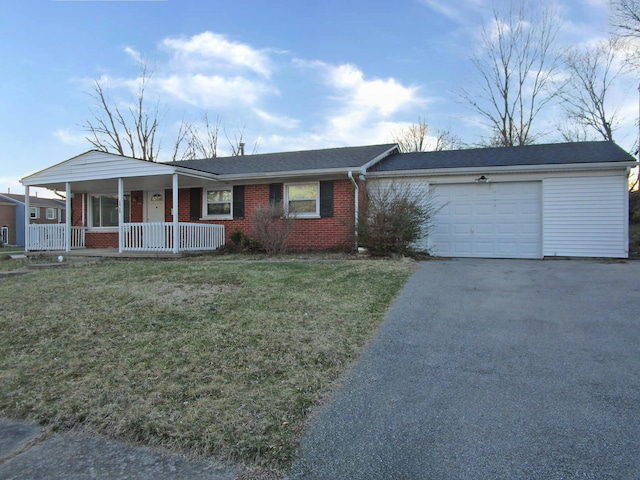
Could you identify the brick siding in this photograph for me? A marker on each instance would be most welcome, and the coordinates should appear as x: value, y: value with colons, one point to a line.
x: 327, y: 233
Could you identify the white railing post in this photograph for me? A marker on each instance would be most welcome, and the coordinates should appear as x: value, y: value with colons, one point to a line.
x: 176, y: 220
x: 120, y: 215
x: 68, y: 217
x: 27, y: 219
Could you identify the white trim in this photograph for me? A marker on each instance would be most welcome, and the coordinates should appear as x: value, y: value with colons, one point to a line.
x: 37, y: 213
x: 54, y: 212
x: 303, y: 214
x: 205, y: 203
x: 564, y: 167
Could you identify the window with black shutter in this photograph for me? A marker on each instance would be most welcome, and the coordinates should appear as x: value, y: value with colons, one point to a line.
x: 238, y: 201
x: 326, y: 198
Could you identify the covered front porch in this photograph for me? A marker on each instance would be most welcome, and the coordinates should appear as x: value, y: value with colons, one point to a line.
x: 121, y: 203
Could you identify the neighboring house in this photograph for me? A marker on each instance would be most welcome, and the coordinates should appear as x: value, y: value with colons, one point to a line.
x: 43, y: 211
x: 516, y: 202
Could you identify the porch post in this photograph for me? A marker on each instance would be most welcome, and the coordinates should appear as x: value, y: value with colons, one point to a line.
x: 176, y: 226
x: 67, y: 218
x: 27, y: 219
x: 120, y: 215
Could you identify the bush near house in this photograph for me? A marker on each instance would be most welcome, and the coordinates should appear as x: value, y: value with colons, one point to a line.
x: 393, y: 217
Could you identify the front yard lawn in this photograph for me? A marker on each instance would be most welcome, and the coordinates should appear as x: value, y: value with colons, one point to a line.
x: 199, y: 356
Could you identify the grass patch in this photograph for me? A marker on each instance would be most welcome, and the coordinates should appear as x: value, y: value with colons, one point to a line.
x: 203, y: 357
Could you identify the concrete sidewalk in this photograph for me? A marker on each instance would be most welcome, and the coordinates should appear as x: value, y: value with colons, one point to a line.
x: 493, y: 369
x: 28, y: 453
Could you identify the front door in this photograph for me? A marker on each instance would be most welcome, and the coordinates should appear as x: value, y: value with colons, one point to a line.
x: 154, y: 232
x: 155, y: 207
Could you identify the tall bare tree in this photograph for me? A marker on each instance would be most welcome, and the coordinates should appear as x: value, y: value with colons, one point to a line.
x: 593, y: 71
x: 237, y: 144
x: 130, y: 130
x: 515, y: 72
x: 193, y: 142
x: 415, y: 138
x: 626, y: 17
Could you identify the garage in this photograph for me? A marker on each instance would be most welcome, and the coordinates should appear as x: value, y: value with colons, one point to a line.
x: 533, y: 201
x: 490, y: 220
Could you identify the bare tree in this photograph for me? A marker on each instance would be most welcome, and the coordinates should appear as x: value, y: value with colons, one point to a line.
x: 197, y: 142
x: 626, y: 17
x: 131, y: 132
x: 445, y: 140
x: 593, y: 71
x: 415, y: 138
x: 515, y: 71
x: 237, y: 145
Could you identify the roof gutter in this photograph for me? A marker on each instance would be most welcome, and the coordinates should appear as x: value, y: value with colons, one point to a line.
x: 505, y: 169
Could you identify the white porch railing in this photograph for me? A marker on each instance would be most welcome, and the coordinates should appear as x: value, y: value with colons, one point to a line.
x: 53, y: 237
x: 158, y: 237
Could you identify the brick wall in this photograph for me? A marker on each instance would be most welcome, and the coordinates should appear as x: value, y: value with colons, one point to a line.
x: 309, y: 234
x: 327, y: 233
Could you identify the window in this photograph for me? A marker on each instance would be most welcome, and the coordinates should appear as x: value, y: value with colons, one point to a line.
x: 51, y: 214
x: 104, y: 210
x: 218, y: 203
x: 34, y: 212
x: 302, y: 200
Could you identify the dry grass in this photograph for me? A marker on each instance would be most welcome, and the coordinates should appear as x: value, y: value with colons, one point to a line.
x: 205, y: 357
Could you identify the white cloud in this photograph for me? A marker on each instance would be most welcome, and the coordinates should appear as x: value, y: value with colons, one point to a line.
x: 70, y: 137
x: 212, y: 50
x: 365, y: 107
x: 382, y: 96
x: 134, y: 54
x: 280, y: 121
x: 214, y: 91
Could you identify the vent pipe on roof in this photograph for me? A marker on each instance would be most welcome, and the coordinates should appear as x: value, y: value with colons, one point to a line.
x: 241, y: 145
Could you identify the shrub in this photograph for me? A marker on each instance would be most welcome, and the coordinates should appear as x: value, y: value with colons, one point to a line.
x: 272, y: 227
x: 393, y: 217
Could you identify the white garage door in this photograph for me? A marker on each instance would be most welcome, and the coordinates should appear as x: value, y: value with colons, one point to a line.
x: 491, y: 220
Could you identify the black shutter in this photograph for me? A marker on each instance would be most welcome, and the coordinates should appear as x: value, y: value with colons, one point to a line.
x: 238, y: 201
x: 194, y: 204
x: 326, y: 199
x: 275, y: 193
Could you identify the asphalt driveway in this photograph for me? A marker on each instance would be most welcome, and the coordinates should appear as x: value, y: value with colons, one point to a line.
x: 493, y: 369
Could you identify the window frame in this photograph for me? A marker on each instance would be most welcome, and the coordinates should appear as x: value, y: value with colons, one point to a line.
x: 90, y: 215
x: 34, y: 213
x: 315, y: 214
x: 54, y: 213
x: 205, y: 204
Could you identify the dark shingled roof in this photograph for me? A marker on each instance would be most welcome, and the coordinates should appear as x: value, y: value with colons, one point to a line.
x: 36, y: 201
x: 330, y: 158
x: 547, y: 154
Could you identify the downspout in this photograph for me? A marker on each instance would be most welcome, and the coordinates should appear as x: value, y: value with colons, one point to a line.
x: 356, y: 206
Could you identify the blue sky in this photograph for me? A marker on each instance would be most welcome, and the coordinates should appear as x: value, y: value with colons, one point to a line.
x: 294, y: 74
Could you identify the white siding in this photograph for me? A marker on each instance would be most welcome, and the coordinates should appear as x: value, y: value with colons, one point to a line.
x: 96, y: 166
x: 586, y: 217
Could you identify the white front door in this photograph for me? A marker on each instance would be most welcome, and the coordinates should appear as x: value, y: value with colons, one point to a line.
x: 154, y: 233
x: 155, y: 206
